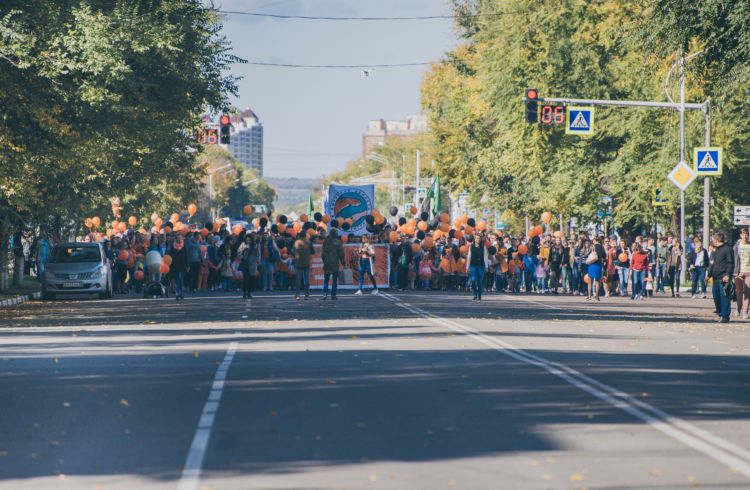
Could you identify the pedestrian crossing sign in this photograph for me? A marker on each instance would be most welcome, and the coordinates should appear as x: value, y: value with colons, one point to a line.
x: 708, y: 161
x: 579, y: 120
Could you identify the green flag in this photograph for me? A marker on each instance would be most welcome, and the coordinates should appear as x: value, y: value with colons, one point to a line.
x: 310, y: 207
x: 434, y: 193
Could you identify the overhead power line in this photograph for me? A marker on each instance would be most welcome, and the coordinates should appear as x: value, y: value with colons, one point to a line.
x: 311, y: 17
x: 364, y: 65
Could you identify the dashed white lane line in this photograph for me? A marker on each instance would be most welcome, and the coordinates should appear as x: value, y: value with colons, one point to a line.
x: 712, y: 446
x: 191, y: 472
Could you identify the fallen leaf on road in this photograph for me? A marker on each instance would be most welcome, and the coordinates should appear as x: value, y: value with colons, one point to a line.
x: 66, y: 404
x: 124, y: 402
x: 3, y: 453
x: 576, y: 477
x: 195, y: 353
x: 274, y: 413
x: 56, y: 360
x: 330, y: 382
x: 654, y: 472
x: 730, y: 469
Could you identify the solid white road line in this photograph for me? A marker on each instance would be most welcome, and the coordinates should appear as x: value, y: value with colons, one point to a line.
x: 191, y: 471
x: 713, y: 446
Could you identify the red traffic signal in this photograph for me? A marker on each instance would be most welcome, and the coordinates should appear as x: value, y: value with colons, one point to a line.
x: 531, y: 94
x: 224, y: 120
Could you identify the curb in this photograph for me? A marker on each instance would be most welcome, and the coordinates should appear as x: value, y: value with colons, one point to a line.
x: 20, y: 299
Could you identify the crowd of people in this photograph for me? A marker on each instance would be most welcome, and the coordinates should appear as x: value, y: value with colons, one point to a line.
x: 465, y: 257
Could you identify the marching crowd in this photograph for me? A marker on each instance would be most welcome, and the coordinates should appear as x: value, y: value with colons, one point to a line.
x: 266, y: 258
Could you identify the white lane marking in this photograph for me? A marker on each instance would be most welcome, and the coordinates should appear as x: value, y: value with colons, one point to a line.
x: 244, y: 317
x: 713, y: 446
x: 191, y: 472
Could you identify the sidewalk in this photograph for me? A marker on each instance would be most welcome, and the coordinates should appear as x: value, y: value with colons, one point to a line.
x: 20, y: 299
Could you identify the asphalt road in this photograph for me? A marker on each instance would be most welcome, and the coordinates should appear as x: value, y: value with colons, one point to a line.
x: 400, y: 391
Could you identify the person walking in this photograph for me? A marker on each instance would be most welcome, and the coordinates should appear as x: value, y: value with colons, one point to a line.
x: 194, y: 261
x: 478, y: 263
x: 698, y: 261
x: 638, y: 267
x: 249, y: 265
x: 673, y: 266
x: 303, y: 253
x: 179, y: 266
x: 404, y: 258
x: 721, y: 273
x: 333, y: 255
x: 742, y: 273
x: 366, y: 254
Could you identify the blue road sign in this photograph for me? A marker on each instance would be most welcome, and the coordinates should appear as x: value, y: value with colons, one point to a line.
x: 579, y: 120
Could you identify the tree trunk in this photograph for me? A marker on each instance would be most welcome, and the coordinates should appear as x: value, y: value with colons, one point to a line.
x: 18, y: 259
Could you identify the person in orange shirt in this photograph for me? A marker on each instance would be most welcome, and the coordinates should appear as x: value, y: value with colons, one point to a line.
x: 447, y: 266
x: 461, y: 272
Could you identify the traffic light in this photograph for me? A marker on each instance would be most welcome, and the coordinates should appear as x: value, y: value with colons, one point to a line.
x: 224, y: 130
x: 532, y: 105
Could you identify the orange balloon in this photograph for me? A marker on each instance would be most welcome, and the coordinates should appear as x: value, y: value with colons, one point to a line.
x: 174, y: 218
x: 411, y: 222
x: 345, y: 238
x: 413, y: 210
x: 437, y: 234
x: 303, y: 218
x: 445, y: 227
x: 96, y: 221
x: 393, y: 236
x: 379, y: 219
x: 326, y: 218
x: 291, y: 232
x: 623, y: 257
x: 132, y: 221
x: 158, y: 222
x: 192, y: 208
x: 204, y: 232
x: 89, y: 223
x: 98, y: 237
x: 142, y: 231
x: 164, y: 269
x: 458, y: 234
x: 110, y: 232
x: 538, y: 230
x: 154, y: 229
x: 167, y: 259
x: 468, y: 230
x: 410, y: 230
x: 482, y: 225
x: 457, y: 223
x: 122, y: 226
x: 154, y: 217
x: 184, y: 231
x: 428, y: 242
x: 138, y: 275
x: 464, y: 218
x: 115, y: 224
x: 522, y: 250
x: 445, y: 217
x: 281, y: 227
x: 415, y: 247
x: 499, y: 232
x: 546, y: 217
x: 463, y: 249
x: 167, y: 230
x: 237, y: 229
x: 297, y: 226
x: 123, y: 255
x: 558, y: 234
x: 247, y: 209
x: 422, y: 225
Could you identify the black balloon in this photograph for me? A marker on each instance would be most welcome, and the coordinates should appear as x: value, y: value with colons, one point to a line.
x: 346, y: 226
x: 420, y: 235
x: 471, y: 222
x: 282, y: 219
x: 425, y: 215
x: 434, y: 223
x: 402, y: 221
x: 372, y: 229
x: 274, y: 228
x: 451, y: 233
x: 393, y: 210
x: 263, y: 222
x: 209, y: 225
x: 308, y: 225
x: 318, y: 217
x: 492, y: 250
x: 535, y: 240
x: 334, y: 223
x: 370, y: 219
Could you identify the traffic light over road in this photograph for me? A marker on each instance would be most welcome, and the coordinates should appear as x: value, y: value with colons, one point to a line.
x: 532, y: 105
x: 224, y: 129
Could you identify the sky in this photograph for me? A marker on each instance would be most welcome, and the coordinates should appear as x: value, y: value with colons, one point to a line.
x: 313, y: 118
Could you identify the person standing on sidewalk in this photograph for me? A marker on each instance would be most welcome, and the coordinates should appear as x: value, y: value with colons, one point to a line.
x: 366, y: 254
x: 478, y: 263
x: 742, y: 273
x: 721, y: 272
x: 333, y: 255
x: 639, y: 267
x: 673, y: 266
x: 303, y: 253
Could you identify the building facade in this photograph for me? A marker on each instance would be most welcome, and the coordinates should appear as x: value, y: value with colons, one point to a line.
x: 246, y: 141
x: 380, y: 130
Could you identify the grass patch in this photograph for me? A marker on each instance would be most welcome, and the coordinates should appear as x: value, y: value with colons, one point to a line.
x: 29, y: 285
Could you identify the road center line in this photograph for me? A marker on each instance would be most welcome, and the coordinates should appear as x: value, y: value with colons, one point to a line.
x: 191, y: 471
x: 712, y: 446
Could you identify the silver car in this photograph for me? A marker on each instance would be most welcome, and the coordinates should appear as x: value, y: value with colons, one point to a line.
x: 77, y: 268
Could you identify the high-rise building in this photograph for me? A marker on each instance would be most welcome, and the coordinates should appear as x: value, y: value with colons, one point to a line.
x: 246, y: 140
x: 380, y: 130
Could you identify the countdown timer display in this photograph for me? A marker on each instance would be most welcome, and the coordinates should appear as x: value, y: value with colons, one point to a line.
x: 208, y: 136
x: 552, y: 114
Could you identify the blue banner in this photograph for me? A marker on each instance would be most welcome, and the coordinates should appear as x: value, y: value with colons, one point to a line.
x: 355, y: 202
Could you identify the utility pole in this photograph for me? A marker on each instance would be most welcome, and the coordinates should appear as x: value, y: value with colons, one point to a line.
x: 416, y: 188
x: 707, y: 182
x: 682, y: 159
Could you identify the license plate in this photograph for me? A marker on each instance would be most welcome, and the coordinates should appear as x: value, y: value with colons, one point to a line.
x: 72, y: 285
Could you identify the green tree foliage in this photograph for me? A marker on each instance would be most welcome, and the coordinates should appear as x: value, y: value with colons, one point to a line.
x: 100, y: 98
x: 576, y: 49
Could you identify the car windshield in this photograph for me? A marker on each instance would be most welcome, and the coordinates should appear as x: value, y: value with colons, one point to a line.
x: 72, y: 254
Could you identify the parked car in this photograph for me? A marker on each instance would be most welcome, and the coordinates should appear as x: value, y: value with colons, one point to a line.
x: 77, y: 268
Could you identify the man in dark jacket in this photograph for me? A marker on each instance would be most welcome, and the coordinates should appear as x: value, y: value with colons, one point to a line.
x: 721, y: 272
x: 333, y: 255
x: 698, y: 261
x: 404, y: 258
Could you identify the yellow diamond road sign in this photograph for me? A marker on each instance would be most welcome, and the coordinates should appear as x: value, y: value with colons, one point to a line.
x: 682, y: 175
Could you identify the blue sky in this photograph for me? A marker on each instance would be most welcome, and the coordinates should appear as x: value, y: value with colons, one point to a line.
x: 313, y: 118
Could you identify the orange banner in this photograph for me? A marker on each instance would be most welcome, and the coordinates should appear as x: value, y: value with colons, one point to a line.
x: 349, y: 275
